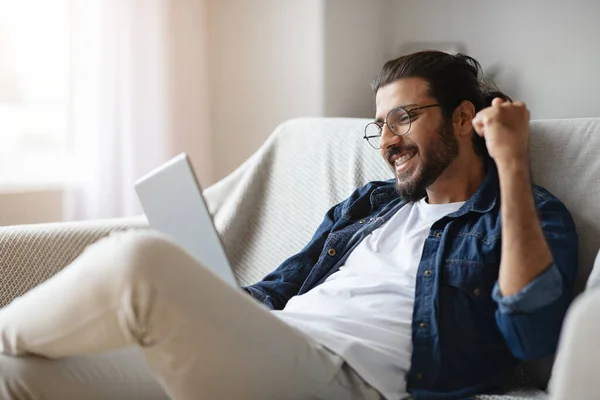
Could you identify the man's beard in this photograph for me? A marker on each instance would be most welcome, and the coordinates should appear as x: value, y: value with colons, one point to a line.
x: 434, y: 160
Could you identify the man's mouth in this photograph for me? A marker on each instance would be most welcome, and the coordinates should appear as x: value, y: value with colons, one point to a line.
x: 399, y: 161
x: 404, y: 158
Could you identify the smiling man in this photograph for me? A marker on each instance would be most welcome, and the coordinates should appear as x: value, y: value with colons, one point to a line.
x: 432, y: 285
x: 464, y: 267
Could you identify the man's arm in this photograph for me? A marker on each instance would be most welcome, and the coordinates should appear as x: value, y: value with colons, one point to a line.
x: 525, y: 251
x: 531, y: 319
x: 539, y: 242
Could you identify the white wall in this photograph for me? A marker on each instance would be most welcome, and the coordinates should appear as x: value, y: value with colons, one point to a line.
x: 188, y: 66
x: 355, y: 49
x: 273, y: 60
x: 549, y: 50
x: 266, y: 67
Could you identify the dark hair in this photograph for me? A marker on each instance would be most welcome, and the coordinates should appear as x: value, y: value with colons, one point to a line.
x: 452, y: 79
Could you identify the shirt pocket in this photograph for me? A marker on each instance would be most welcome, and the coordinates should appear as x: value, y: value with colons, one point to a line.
x: 467, y: 310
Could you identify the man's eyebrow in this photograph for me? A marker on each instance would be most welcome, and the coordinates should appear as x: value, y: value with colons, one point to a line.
x: 411, y: 105
x: 406, y: 106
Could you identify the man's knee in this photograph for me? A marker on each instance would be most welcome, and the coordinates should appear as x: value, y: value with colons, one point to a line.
x: 136, y: 255
x: 144, y: 247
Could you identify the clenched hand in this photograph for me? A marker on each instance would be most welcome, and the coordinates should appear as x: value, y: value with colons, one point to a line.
x: 505, y: 127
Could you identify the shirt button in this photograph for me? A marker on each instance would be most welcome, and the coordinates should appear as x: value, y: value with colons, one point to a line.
x: 477, y: 292
x: 428, y: 273
x: 438, y: 235
x: 362, y: 221
x: 331, y: 252
x: 419, y: 376
x: 422, y: 325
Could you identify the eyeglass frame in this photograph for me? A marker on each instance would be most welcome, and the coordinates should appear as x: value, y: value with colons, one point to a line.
x: 407, y: 111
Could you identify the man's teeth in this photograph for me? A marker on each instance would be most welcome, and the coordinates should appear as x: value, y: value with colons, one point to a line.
x: 402, y: 159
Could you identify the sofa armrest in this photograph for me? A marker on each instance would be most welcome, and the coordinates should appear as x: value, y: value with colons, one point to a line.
x: 575, y: 371
x: 30, y: 254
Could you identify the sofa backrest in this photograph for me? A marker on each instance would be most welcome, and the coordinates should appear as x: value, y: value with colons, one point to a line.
x: 565, y: 159
x: 268, y: 208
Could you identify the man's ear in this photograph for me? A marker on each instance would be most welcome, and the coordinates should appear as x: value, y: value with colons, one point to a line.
x: 462, y: 117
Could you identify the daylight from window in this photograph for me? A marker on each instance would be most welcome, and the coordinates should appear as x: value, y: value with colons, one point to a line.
x: 34, y: 88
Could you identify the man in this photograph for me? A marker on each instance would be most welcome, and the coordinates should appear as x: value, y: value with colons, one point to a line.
x: 435, y: 283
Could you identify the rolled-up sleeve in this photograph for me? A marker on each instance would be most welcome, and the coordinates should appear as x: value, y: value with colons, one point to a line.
x: 542, y: 291
x: 531, y: 319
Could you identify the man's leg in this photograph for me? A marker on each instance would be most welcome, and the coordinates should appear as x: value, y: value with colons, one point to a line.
x: 575, y: 372
x: 200, y: 337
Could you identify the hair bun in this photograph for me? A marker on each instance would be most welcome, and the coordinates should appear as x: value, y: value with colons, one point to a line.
x: 490, y: 93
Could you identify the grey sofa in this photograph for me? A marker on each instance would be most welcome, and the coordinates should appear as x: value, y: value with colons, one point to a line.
x: 269, y: 207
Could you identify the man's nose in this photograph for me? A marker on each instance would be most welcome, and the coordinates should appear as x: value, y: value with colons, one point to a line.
x: 388, y: 138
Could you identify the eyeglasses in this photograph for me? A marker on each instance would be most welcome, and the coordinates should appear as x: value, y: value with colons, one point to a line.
x: 398, y: 121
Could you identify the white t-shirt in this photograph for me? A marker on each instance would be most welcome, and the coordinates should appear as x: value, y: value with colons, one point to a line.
x: 363, y: 312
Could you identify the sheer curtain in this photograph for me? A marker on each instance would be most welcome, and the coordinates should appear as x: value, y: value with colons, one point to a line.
x: 139, y: 95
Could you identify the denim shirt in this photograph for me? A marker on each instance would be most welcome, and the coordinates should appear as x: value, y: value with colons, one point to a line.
x: 466, y: 336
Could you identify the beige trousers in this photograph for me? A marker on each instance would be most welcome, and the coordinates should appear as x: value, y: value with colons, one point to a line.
x: 185, y: 335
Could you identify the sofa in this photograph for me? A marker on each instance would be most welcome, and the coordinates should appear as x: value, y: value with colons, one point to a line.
x: 269, y: 207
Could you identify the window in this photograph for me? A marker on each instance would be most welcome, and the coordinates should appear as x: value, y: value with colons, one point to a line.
x: 34, y: 91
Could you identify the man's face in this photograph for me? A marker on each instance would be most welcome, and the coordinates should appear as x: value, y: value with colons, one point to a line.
x: 421, y: 156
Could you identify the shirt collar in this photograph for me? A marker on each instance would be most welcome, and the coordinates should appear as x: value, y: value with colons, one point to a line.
x: 484, y: 199
x: 384, y: 194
